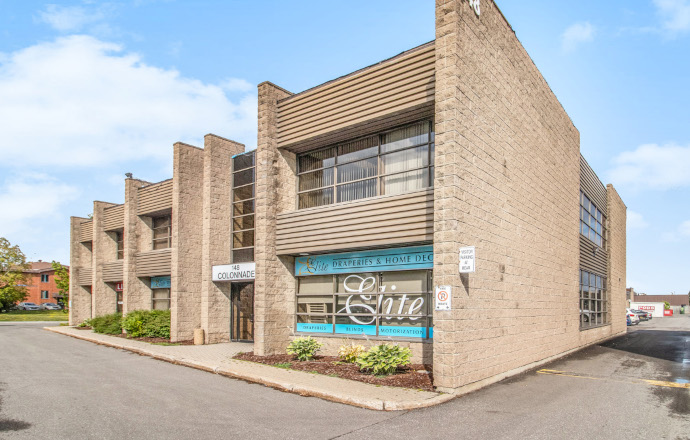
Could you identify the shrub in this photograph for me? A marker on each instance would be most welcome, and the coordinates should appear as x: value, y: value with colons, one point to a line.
x: 147, y: 324
x: 86, y: 323
x: 667, y: 305
x: 350, y: 353
x: 303, y: 348
x: 384, y: 359
x: 108, y: 324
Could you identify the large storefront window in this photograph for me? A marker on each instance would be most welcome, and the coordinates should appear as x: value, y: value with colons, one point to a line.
x: 593, y: 300
x: 393, y: 162
x: 391, y: 302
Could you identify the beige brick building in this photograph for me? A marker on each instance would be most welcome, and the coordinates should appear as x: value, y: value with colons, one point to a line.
x: 351, y: 213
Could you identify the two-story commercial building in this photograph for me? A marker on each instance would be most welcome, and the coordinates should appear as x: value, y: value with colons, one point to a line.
x: 348, y: 220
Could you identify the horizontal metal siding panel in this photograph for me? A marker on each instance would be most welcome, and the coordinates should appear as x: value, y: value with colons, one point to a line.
x: 114, y: 218
x: 155, y: 198
x: 399, y: 219
x: 85, y: 276
x: 588, y: 261
x: 86, y: 231
x: 592, y: 186
x: 112, y: 272
x: 154, y: 263
x: 402, y: 83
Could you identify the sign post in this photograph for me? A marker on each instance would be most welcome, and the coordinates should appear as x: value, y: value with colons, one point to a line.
x: 443, y: 297
x: 467, y: 259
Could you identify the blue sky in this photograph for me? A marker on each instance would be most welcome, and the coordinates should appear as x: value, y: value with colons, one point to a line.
x: 90, y: 90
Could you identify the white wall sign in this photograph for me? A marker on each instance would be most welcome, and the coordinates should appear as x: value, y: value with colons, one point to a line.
x: 234, y: 272
x: 475, y: 6
x: 443, y: 297
x: 466, y: 255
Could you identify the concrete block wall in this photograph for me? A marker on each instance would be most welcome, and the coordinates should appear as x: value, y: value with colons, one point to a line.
x: 79, y: 296
x: 216, y: 230
x: 616, y: 242
x: 187, y: 204
x: 104, y: 248
x: 136, y: 291
x: 507, y: 181
x: 274, y: 294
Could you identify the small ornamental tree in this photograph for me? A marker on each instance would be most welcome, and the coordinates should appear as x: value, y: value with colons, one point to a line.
x: 62, y: 283
x: 667, y: 306
x: 12, y: 277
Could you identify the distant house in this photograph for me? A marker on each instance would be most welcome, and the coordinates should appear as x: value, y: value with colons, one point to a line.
x: 41, y: 283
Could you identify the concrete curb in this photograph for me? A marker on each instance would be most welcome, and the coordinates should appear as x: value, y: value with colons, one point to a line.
x: 373, y: 402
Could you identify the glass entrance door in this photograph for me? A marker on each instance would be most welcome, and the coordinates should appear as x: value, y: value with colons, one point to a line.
x: 242, y: 312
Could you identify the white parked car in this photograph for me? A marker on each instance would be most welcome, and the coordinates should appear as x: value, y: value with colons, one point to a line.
x: 634, y: 317
x: 50, y: 306
x: 27, y: 306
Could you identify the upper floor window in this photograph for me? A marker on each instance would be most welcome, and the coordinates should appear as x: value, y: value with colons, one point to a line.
x: 120, y: 240
x: 45, y: 278
x: 591, y: 221
x: 243, y: 166
x: 162, y: 232
x: 393, y: 162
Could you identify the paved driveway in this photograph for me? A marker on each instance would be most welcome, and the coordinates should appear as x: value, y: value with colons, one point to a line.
x: 57, y: 387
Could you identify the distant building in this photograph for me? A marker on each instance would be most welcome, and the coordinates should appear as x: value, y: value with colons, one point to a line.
x: 41, y: 283
x: 673, y: 300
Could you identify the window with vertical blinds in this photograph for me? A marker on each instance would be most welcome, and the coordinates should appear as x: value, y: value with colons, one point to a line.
x: 392, y: 162
x: 243, y: 178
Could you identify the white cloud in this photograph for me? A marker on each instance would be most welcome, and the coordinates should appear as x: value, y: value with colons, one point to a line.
x: 576, y: 34
x: 675, y: 15
x: 30, y: 197
x: 652, y: 166
x: 80, y: 101
x: 70, y: 18
x: 634, y: 220
x: 684, y: 228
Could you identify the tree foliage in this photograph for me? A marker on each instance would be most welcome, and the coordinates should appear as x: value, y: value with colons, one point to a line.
x: 62, y: 282
x: 12, y: 278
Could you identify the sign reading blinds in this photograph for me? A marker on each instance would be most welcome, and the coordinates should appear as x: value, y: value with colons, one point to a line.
x: 383, y: 260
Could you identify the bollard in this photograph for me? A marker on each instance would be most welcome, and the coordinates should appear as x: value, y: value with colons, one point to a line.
x: 198, y: 336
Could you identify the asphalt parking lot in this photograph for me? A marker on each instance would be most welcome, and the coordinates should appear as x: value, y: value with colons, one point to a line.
x: 52, y: 386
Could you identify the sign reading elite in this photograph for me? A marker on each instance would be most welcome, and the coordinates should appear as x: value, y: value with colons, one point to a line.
x: 466, y: 255
x: 234, y: 272
x: 442, y: 297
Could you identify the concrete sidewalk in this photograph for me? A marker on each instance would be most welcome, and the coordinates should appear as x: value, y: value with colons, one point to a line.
x: 217, y: 358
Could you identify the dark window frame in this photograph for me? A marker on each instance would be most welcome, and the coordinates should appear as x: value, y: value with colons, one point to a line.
x: 594, y: 302
x: 164, y: 239
x: 592, y: 221
x: 242, y: 253
x: 379, y: 177
x: 120, y: 244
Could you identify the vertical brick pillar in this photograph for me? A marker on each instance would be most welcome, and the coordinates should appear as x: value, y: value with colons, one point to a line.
x: 185, y: 292
x: 136, y: 294
x: 274, y: 288
x: 104, y: 250
x: 216, y: 230
x: 615, y: 279
x: 79, y: 297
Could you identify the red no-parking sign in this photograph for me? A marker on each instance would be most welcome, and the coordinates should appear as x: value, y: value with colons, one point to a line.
x: 443, y: 297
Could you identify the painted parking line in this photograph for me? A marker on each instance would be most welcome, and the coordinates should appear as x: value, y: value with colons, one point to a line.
x: 657, y: 383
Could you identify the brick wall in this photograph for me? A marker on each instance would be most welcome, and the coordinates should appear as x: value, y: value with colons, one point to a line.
x: 616, y: 281
x: 104, y: 250
x: 274, y: 294
x: 507, y: 181
x: 136, y: 294
x: 216, y: 230
x: 185, y: 310
x: 79, y: 296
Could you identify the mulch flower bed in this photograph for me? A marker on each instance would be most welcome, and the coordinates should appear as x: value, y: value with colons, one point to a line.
x: 415, y: 376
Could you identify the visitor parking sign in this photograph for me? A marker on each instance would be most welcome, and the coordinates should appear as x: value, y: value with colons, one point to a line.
x: 442, y: 297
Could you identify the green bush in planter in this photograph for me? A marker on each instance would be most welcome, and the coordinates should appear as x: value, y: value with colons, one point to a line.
x: 107, y: 324
x: 384, y: 359
x: 147, y: 323
x: 303, y: 348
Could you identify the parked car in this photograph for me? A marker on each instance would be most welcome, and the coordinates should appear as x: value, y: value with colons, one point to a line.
x: 642, y: 315
x: 634, y: 318
x: 27, y: 306
x: 50, y: 306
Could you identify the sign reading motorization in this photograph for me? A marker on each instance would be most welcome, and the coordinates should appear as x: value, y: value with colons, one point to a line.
x: 234, y: 272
